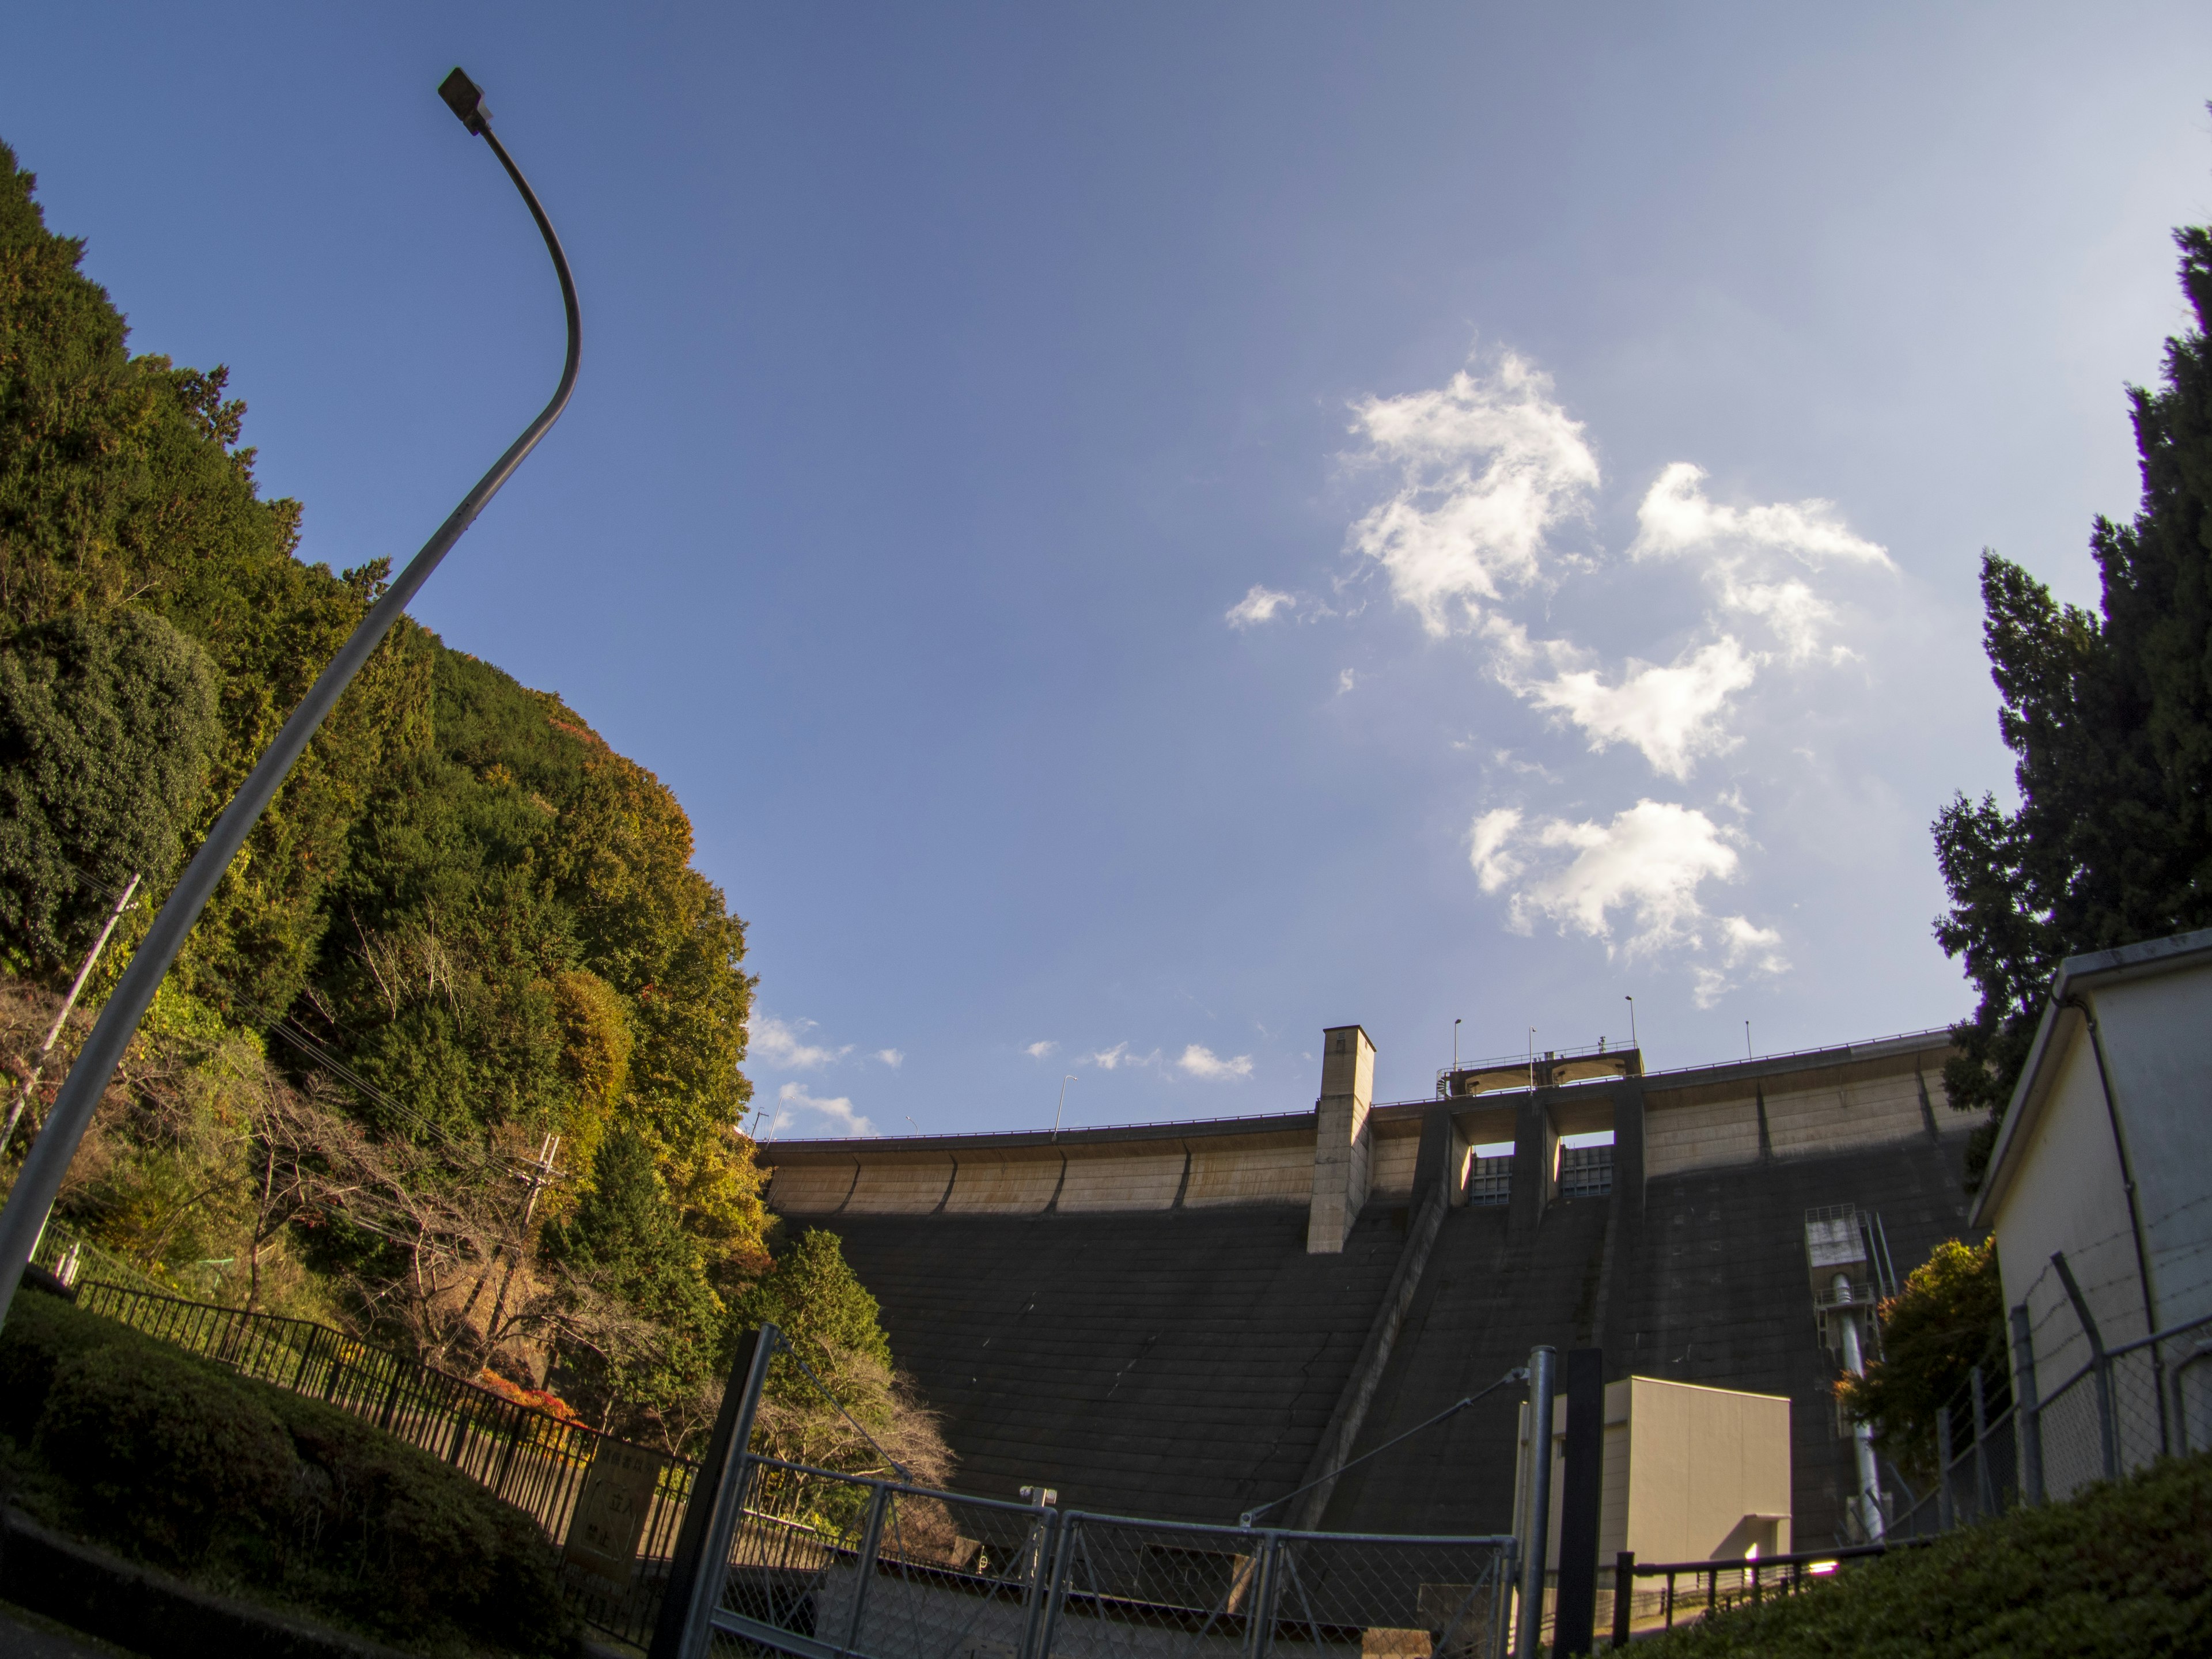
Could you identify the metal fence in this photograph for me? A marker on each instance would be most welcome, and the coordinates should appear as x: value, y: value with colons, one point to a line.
x: 2074, y: 1407
x: 825, y: 1565
x: 828, y: 1566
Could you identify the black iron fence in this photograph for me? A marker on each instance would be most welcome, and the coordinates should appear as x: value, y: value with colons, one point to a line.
x: 581, y: 1485
x: 1661, y: 1595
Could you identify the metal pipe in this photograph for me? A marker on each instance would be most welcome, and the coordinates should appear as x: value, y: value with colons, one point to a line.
x: 61, y: 1019
x: 1542, y: 1365
x: 40, y: 1178
x: 2080, y: 1004
x: 1869, y: 1503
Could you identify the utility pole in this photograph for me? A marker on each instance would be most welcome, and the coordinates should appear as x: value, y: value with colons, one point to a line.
x: 541, y: 1176
x: 54, y: 1031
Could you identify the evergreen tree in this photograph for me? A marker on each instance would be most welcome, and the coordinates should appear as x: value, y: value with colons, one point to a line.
x: 2110, y: 716
x: 106, y: 732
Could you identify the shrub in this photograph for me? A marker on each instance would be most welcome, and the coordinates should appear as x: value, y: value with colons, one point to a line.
x: 244, y: 1486
x: 160, y: 1452
x: 2121, y: 1569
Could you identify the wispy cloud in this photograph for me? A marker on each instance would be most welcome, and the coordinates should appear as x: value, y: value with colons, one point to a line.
x: 1486, y: 465
x: 1202, y: 1063
x: 837, y: 1108
x: 1647, y: 863
x: 782, y: 1044
x: 1747, y: 552
x: 1745, y: 945
x: 1259, y: 604
x: 1345, y: 681
x: 1676, y: 518
x: 1120, y: 1054
x: 1039, y: 1050
x: 893, y: 1058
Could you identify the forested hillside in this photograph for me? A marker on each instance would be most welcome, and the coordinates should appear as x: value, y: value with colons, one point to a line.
x: 454, y: 1053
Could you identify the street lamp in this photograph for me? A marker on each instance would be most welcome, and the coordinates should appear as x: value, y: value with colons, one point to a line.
x: 25, y: 1216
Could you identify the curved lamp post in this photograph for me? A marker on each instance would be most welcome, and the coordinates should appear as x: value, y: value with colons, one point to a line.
x: 49, y: 1159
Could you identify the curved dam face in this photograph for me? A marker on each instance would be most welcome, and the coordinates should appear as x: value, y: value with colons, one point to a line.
x: 1190, y: 1319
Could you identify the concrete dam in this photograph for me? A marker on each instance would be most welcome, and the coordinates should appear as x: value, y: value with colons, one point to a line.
x: 1191, y: 1320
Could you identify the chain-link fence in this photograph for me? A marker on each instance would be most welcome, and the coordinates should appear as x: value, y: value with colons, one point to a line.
x: 823, y: 1563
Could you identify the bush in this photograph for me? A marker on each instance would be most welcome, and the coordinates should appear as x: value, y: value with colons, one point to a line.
x: 2121, y: 1569
x: 243, y: 1486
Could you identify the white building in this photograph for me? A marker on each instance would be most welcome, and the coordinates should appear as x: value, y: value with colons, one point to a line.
x: 2105, y: 1159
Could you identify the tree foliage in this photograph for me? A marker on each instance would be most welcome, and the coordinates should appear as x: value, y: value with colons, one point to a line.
x: 1948, y: 1318
x: 107, y: 728
x: 461, y: 898
x: 2110, y: 718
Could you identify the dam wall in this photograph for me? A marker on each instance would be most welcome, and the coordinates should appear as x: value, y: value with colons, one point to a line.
x: 1188, y: 1320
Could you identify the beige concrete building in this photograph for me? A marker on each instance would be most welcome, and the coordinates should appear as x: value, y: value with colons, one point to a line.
x: 1690, y: 1473
x: 2105, y: 1157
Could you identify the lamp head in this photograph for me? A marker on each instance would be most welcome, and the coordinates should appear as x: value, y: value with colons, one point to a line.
x: 465, y: 99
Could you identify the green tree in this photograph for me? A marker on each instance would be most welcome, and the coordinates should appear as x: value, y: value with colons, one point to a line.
x: 1948, y: 1319
x: 2110, y: 717
x: 106, y: 732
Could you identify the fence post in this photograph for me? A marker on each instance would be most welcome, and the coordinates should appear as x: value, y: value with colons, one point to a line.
x: 1574, y: 1621
x: 1985, y: 1500
x: 696, y: 1570
x: 1260, y: 1624
x: 2103, y: 1366
x: 1044, y: 1572
x: 1624, y: 1591
x: 307, y: 1358
x: 1538, y: 1516
x: 1943, y: 1516
x: 2026, y: 1412
x: 1069, y: 1541
x: 864, y: 1563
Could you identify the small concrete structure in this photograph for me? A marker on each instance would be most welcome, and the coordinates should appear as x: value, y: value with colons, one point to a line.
x: 2106, y: 1155
x: 1692, y: 1474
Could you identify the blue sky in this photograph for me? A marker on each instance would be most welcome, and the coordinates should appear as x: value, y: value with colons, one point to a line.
x: 1140, y: 532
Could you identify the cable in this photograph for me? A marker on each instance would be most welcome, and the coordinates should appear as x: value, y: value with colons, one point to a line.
x: 904, y: 1473
x: 1520, y: 1374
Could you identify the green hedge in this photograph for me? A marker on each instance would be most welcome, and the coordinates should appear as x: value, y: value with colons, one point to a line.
x: 2123, y: 1569
x: 238, y: 1484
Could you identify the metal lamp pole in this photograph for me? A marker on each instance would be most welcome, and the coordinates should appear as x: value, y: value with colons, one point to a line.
x: 49, y: 1159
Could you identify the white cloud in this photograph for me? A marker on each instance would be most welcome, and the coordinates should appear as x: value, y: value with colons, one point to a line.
x: 893, y: 1058
x: 1200, y: 1062
x: 1039, y: 1050
x: 1649, y: 861
x: 1676, y: 516
x: 1492, y: 839
x: 1345, y: 681
x: 1486, y: 465
x: 782, y: 1044
x: 1257, y: 606
x: 1672, y: 713
x: 838, y: 1110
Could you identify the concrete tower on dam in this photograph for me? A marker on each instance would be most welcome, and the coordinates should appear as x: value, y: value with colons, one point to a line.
x: 1190, y: 1319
